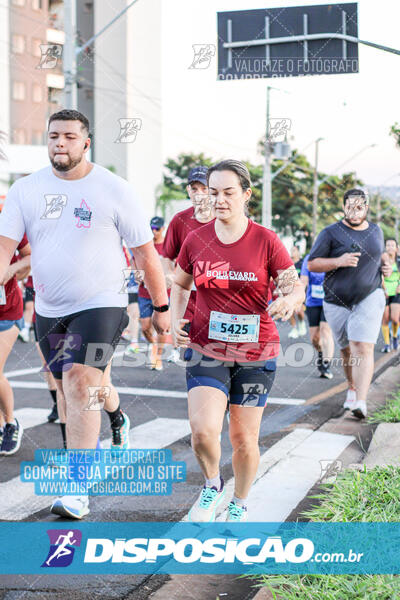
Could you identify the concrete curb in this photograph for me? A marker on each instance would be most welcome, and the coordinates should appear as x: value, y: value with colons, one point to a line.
x: 384, y: 449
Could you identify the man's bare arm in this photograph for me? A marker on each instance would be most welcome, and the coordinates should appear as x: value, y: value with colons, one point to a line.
x: 7, y: 251
x: 147, y: 259
x: 323, y: 265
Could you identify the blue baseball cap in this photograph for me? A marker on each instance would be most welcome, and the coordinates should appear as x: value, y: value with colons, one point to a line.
x: 157, y: 222
x: 198, y: 174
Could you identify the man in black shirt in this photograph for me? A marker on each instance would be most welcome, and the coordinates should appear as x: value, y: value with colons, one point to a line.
x: 351, y: 253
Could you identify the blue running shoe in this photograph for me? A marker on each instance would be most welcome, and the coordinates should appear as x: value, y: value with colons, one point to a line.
x: 395, y: 342
x: 236, y: 513
x: 205, y: 507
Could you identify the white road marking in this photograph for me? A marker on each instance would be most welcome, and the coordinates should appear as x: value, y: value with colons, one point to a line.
x: 18, y: 500
x: 137, y: 391
x: 290, y: 401
x: 41, y: 385
x: 31, y: 417
x: 22, y: 372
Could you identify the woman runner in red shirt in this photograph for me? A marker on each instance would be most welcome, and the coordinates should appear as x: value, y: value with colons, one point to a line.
x: 233, y: 341
x: 11, y: 323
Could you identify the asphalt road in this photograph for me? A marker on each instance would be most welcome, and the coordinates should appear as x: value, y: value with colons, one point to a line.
x: 297, y: 381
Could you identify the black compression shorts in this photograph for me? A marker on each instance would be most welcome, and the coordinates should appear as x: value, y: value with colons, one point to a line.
x: 88, y: 337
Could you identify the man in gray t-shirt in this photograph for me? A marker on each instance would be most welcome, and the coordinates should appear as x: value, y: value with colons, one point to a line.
x: 351, y: 253
x: 75, y: 215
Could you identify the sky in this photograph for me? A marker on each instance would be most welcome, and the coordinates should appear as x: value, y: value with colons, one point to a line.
x: 227, y: 118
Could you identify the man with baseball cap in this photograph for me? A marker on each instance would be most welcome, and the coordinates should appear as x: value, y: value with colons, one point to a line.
x: 184, y: 222
x: 352, y: 254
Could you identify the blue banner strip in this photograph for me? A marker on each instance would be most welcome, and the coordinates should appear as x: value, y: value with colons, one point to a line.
x: 285, y: 548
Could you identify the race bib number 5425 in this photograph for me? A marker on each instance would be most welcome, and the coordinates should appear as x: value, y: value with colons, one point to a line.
x: 233, y: 328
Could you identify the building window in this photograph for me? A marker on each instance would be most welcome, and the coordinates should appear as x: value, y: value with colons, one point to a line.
x: 36, y: 51
x: 19, y: 136
x: 37, y: 93
x: 37, y: 137
x: 17, y: 43
x: 18, y: 90
x: 18, y: 2
x: 37, y: 4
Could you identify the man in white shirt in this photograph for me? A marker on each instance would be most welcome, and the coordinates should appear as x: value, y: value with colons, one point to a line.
x: 75, y: 215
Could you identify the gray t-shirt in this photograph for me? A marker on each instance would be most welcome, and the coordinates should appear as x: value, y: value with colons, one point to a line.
x: 347, y: 286
x: 75, y: 229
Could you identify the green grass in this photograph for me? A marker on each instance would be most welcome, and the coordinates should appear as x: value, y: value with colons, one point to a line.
x: 366, y: 496
x: 371, y: 495
x: 332, y: 587
x: 390, y: 413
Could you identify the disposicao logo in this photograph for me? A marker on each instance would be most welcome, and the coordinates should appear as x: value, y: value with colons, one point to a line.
x: 190, y: 550
x: 62, y: 547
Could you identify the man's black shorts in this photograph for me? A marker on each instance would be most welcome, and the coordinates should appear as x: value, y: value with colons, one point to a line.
x: 88, y: 337
x: 315, y: 314
x: 393, y: 299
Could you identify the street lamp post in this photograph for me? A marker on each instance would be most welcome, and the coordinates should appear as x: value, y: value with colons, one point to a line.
x: 315, y: 190
x: 267, y: 182
x: 71, y: 52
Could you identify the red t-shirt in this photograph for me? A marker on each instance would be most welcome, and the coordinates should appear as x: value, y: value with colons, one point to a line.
x: 29, y: 282
x: 14, y: 307
x: 182, y: 224
x: 143, y: 292
x: 234, y: 279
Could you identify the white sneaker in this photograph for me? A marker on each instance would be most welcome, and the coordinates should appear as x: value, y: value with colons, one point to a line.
x: 174, y: 356
x: 24, y: 335
x: 351, y: 400
x: 205, y: 507
x: 73, y: 507
x: 359, y: 410
x: 293, y: 333
x: 301, y: 328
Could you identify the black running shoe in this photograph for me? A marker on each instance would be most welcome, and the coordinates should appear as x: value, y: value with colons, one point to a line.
x: 324, y: 369
x: 53, y: 416
x: 11, y: 438
x: 326, y: 374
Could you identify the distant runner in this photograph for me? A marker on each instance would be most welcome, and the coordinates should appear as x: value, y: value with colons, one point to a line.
x: 391, y: 287
x: 297, y: 319
x: 320, y: 332
x: 183, y: 223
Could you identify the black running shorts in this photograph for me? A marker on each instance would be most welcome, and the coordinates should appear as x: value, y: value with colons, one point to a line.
x: 88, y: 337
x: 315, y: 314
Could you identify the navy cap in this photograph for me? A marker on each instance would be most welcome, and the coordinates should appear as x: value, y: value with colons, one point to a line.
x: 157, y: 222
x: 198, y: 174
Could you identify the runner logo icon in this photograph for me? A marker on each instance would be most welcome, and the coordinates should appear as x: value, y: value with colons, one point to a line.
x: 62, y: 547
x: 54, y: 206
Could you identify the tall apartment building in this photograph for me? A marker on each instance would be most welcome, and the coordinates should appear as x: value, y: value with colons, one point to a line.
x: 118, y: 79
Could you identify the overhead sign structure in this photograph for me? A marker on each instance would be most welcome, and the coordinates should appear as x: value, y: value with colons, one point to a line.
x: 288, y: 42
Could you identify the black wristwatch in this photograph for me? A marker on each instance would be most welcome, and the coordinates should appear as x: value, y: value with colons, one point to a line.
x: 162, y: 308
